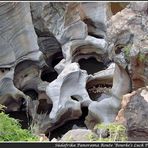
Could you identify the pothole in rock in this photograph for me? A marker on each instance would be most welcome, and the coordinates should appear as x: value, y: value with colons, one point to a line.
x: 96, y: 88
x: 69, y: 125
x: 48, y: 75
x: 91, y: 65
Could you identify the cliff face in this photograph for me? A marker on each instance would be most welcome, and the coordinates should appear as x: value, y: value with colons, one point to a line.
x: 63, y: 62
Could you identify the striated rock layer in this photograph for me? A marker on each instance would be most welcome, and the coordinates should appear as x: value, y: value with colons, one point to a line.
x: 58, y: 58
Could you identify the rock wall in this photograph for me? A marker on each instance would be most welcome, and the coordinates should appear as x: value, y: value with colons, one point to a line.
x: 58, y: 58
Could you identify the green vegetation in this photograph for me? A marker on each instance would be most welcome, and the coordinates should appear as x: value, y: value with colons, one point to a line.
x: 127, y: 51
x: 10, y: 129
x: 117, y: 132
x: 141, y: 57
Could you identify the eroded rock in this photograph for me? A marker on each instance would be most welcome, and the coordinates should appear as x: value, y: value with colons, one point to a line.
x: 106, y: 108
x: 63, y: 57
x: 133, y: 114
x: 10, y: 96
x: 70, y: 83
x: 127, y: 38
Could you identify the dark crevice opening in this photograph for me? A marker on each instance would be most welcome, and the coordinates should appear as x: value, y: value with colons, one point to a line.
x: 31, y: 93
x: 49, y: 76
x: 4, y: 69
x: 118, y: 49
x: 22, y: 117
x: 96, y: 36
x: 60, y: 131
x: 56, y: 58
x: 74, y: 98
x: 91, y: 65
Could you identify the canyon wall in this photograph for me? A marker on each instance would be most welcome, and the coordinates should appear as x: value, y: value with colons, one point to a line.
x: 68, y: 65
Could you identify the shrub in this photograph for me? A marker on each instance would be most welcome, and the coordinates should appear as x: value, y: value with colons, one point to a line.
x: 10, y: 130
x: 116, y: 132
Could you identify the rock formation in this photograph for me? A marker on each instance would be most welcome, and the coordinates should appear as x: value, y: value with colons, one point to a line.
x: 127, y: 37
x: 133, y: 114
x: 58, y: 58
